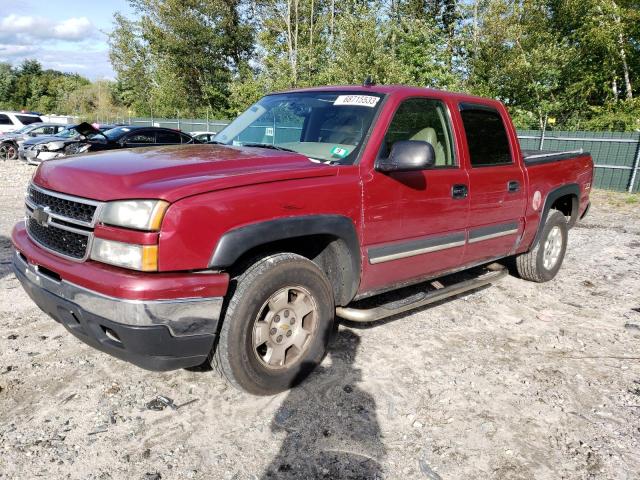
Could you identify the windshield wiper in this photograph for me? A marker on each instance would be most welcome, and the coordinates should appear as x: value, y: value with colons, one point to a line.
x: 268, y: 145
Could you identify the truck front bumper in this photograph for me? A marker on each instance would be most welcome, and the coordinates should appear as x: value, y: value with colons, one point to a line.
x: 153, y: 334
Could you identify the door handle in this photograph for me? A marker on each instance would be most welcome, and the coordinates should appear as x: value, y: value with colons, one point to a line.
x: 459, y: 191
x: 513, y: 186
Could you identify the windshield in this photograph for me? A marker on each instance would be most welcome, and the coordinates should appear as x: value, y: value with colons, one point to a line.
x: 116, y: 133
x: 25, y: 129
x: 68, y: 132
x: 325, y: 126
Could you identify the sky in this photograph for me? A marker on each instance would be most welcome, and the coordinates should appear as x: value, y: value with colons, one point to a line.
x: 64, y: 35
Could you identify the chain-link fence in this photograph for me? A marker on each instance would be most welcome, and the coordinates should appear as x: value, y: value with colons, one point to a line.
x: 616, y: 155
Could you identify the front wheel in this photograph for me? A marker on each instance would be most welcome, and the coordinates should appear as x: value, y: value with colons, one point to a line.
x: 542, y: 262
x: 277, y: 325
x: 8, y: 151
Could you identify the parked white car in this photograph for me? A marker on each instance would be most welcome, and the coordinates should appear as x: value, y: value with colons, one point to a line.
x: 11, y: 121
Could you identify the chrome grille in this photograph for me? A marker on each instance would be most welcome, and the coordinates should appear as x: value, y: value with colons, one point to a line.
x: 63, y: 205
x: 64, y: 242
x: 61, y: 223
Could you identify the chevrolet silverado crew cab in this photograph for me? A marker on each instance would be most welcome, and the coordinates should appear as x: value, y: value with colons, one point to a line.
x: 242, y: 253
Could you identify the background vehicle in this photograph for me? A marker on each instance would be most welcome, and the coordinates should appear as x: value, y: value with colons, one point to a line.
x: 90, y: 139
x: 10, y: 142
x: 256, y: 244
x: 11, y: 121
x: 203, y: 137
x: 29, y: 148
x: 68, y: 132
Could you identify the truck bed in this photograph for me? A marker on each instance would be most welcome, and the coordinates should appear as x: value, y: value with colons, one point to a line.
x: 535, y: 157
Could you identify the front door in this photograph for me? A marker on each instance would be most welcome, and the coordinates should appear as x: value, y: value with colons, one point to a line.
x: 496, y: 185
x: 415, y: 222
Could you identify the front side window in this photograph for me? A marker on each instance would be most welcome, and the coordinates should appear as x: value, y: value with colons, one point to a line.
x: 425, y: 120
x: 141, y: 137
x: 324, y: 126
x: 486, y: 137
x: 5, y: 120
x: 43, y: 131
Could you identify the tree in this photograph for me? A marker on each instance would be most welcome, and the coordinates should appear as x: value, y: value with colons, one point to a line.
x: 183, y: 54
x: 7, y: 80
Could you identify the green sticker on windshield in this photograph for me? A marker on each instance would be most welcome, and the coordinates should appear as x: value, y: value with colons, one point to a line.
x: 339, y: 152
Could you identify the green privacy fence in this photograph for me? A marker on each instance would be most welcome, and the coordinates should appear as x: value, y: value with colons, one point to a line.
x: 616, y: 155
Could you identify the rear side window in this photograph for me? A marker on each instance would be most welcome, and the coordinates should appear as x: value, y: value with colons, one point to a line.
x: 486, y: 136
x: 5, y: 120
x: 28, y: 119
x: 167, y: 137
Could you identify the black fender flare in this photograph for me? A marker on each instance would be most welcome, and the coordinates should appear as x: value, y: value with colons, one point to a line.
x: 572, y: 189
x: 234, y: 243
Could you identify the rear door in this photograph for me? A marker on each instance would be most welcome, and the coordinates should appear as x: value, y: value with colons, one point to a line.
x: 6, y: 124
x: 168, y: 137
x: 496, y: 184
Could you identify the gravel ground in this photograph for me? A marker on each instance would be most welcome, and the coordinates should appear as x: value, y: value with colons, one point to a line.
x: 515, y: 381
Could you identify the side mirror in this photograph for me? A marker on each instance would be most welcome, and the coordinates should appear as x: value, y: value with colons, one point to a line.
x: 407, y: 156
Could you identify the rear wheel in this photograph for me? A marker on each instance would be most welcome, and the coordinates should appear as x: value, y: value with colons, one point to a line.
x: 542, y: 263
x: 277, y: 325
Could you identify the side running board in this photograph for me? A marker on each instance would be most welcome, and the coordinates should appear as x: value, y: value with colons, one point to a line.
x: 494, y: 273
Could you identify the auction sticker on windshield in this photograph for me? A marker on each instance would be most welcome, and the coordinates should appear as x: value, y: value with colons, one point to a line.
x: 361, y: 100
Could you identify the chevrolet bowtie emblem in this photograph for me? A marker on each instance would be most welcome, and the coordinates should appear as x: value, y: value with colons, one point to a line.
x: 41, y: 215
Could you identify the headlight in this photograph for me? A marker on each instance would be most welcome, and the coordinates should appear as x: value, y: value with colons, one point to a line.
x: 137, y: 257
x: 75, y: 148
x: 138, y: 214
x: 51, y: 146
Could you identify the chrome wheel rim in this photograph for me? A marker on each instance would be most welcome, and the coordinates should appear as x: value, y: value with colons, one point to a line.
x: 552, y: 248
x: 284, y: 327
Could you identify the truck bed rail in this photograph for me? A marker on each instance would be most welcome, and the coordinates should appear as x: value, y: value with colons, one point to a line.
x: 535, y: 157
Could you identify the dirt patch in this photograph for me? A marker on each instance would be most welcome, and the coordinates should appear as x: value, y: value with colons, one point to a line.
x: 516, y: 381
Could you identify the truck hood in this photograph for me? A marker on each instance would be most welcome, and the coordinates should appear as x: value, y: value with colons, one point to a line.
x: 172, y: 172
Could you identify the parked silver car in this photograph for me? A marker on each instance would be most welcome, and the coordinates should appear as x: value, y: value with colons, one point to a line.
x: 11, y: 142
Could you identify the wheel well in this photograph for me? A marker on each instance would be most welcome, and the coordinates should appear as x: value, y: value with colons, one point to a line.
x: 568, y: 206
x: 331, y: 254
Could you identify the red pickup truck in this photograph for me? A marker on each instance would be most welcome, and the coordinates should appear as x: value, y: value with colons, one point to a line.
x: 243, y: 252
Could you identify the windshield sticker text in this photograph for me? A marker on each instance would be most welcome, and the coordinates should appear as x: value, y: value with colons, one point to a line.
x: 359, y: 100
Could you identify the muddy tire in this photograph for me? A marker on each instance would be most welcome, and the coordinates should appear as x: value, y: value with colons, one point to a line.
x: 542, y: 263
x: 277, y: 325
x: 8, y: 151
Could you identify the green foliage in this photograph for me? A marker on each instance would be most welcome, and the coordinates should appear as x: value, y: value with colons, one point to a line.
x: 32, y: 88
x: 180, y: 55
